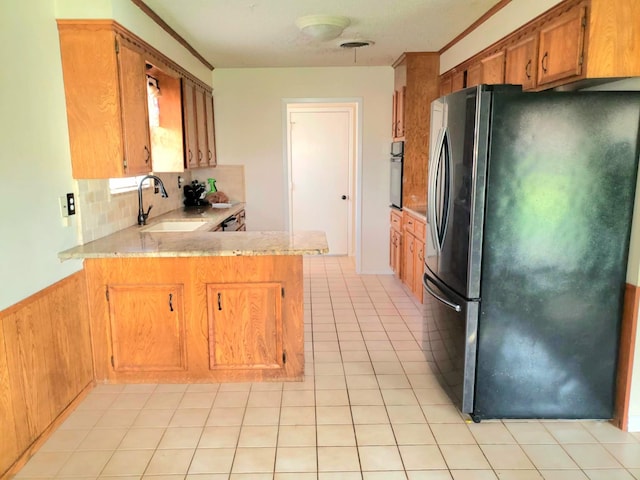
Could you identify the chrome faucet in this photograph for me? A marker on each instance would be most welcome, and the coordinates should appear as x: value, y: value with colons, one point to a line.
x: 142, y: 216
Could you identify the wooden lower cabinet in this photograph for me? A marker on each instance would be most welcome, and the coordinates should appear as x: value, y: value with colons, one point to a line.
x: 147, y: 327
x: 254, y: 343
x: 413, y: 253
x: 395, y: 242
x: 201, y: 319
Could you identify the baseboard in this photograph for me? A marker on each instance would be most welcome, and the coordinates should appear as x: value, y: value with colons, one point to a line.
x: 634, y: 423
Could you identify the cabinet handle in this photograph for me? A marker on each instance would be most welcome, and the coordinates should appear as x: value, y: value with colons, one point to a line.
x: 545, y: 58
x: 210, y: 155
x: 199, y: 155
x: 527, y: 69
x: 411, y: 247
x: 171, y: 302
x: 147, y: 155
x: 190, y: 155
x: 219, y: 302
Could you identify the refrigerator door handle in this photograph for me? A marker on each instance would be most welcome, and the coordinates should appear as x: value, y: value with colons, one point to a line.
x: 444, y: 301
x: 431, y: 203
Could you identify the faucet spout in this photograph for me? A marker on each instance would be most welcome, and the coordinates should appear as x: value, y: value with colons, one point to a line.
x: 142, y: 215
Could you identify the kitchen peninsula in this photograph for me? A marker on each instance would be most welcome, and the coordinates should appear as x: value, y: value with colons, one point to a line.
x: 171, y: 305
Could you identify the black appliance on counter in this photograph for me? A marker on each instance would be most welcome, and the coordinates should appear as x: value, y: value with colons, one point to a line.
x: 194, y: 194
x: 530, y: 201
x: 397, y: 154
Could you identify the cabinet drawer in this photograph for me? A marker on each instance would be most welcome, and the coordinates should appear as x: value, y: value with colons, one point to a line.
x: 419, y: 229
x: 395, y: 218
x: 414, y: 225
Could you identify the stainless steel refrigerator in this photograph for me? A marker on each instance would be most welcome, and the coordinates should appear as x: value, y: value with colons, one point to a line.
x: 530, y: 200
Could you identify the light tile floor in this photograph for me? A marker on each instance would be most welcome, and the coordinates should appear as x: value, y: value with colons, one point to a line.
x: 369, y: 408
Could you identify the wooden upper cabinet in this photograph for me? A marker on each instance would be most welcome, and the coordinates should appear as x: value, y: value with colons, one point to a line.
x: 445, y: 85
x: 105, y: 93
x: 521, y: 64
x: 458, y: 81
x: 493, y: 68
x: 211, y: 129
x: 135, y: 118
x: 190, y: 124
x: 201, y: 128
x: 166, y: 124
x: 398, y: 120
x: 474, y: 75
x: 199, y: 136
x: 561, y: 46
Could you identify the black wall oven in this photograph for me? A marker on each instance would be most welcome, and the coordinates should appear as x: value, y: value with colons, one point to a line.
x: 397, y: 153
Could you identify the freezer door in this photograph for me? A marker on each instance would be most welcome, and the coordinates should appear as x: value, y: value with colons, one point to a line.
x: 455, y: 203
x: 449, y: 340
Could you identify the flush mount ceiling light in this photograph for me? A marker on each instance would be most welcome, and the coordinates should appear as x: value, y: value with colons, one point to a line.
x: 322, y: 27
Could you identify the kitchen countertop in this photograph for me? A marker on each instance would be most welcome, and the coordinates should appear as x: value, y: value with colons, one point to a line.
x: 420, y: 212
x: 133, y: 242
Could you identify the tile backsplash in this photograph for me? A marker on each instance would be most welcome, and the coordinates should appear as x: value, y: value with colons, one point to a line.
x: 100, y: 213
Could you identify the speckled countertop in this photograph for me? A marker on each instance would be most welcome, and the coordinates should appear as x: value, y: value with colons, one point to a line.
x: 418, y: 211
x: 135, y: 242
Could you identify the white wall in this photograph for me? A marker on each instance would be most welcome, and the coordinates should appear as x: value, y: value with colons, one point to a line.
x: 35, y: 164
x: 250, y: 132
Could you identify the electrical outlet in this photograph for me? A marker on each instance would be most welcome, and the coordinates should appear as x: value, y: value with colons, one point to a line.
x: 71, y: 204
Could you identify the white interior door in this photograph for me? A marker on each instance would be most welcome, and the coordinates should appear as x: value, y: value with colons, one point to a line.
x: 321, y: 149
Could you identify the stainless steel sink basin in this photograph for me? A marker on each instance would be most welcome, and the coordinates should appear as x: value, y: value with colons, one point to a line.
x: 174, y: 226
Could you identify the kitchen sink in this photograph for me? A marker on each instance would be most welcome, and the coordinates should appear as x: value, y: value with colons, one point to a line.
x: 174, y: 226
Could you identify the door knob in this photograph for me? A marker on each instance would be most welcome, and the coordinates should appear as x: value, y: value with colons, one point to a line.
x: 344, y: 197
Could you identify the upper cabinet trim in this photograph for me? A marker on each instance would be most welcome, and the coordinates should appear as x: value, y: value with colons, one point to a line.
x: 156, y: 18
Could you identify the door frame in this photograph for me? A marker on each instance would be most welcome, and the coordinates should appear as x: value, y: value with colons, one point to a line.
x: 354, y: 106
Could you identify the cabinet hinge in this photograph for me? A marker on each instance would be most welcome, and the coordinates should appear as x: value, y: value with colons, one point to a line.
x: 581, y: 59
x: 124, y: 163
x: 113, y: 363
x: 117, y: 46
x: 106, y: 293
x: 282, y: 292
x: 584, y: 21
x: 284, y: 357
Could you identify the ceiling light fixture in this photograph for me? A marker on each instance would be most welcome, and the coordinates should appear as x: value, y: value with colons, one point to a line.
x: 322, y: 27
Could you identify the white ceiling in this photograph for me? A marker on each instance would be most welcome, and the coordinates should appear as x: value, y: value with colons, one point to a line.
x: 262, y: 33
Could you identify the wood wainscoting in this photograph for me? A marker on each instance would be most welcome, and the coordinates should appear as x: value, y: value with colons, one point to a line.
x: 45, y: 364
x: 628, y: 332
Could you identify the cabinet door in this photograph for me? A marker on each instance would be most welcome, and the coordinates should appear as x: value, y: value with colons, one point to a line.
x: 493, y: 69
x: 394, y: 115
x: 561, y: 47
x: 201, y: 128
x: 147, y: 328
x: 474, y: 75
x: 189, y: 119
x: 135, y: 118
x: 418, y: 267
x: 457, y: 81
x: 211, y: 130
x: 445, y: 85
x: 521, y: 67
x: 395, y: 252
x: 245, y: 326
x: 408, y: 260
x: 400, y: 112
